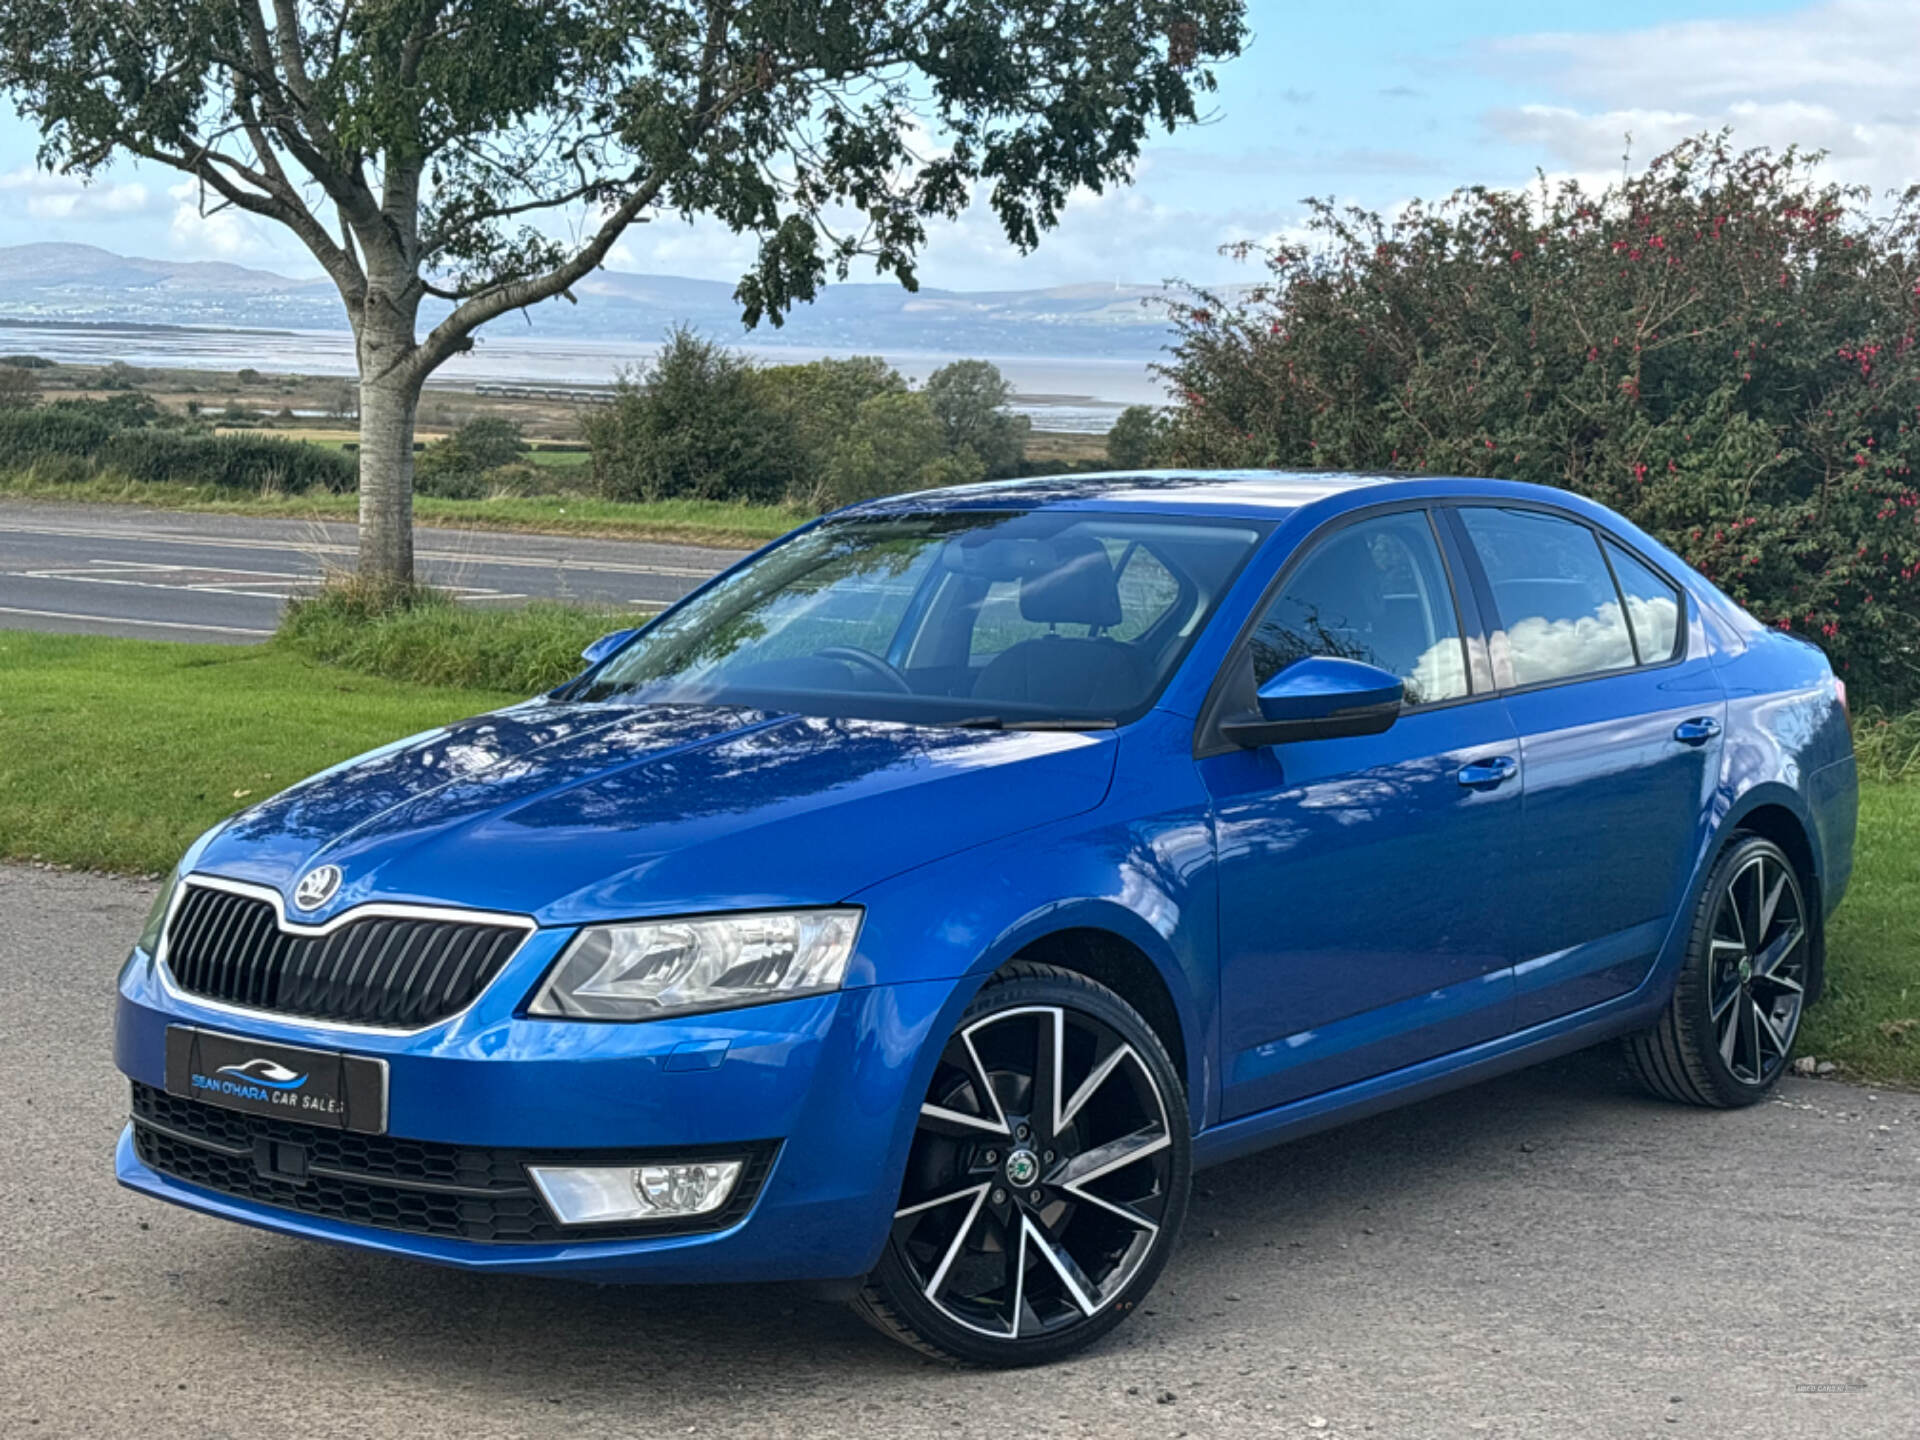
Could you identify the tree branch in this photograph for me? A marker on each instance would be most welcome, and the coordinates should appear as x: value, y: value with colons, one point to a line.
x: 449, y: 337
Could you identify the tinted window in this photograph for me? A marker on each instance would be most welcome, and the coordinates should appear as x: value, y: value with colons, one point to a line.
x: 1653, y: 606
x: 1374, y: 591
x: 1556, y: 602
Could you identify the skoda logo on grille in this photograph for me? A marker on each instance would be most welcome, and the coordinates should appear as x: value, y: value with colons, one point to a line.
x: 316, y: 887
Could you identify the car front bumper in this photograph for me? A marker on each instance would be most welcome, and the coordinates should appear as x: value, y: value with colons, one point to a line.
x: 830, y: 1079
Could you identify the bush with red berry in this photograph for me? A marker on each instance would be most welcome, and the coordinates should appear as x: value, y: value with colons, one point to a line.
x: 1720, y: 346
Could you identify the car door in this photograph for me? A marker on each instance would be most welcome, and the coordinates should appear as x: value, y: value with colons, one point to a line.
x: 1619, y: 712
x: 1363, y: 880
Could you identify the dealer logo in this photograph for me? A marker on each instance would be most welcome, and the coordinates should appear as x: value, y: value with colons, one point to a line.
x: 265, y: 1072
x: 316, y: 887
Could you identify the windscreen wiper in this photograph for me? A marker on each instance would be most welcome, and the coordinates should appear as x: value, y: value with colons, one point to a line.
x: 1001, y: 722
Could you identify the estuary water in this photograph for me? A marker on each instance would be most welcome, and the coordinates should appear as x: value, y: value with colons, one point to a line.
x: 1060, y: 393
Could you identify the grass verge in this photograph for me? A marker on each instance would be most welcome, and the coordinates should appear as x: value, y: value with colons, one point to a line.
x: 1868, y: 1021
x: 114, y: 754
x: 682, y: 522
x: 524, y: 649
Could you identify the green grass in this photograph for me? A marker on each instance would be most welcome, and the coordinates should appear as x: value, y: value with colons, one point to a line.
x: 1873, y: 951
x: 114, y: 754
x: 525, y: 649
x: 685, y: 522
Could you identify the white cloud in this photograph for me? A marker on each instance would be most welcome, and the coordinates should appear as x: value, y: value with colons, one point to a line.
x: 1834, y: 76
x: 202, y: 228
x: 68, y: 197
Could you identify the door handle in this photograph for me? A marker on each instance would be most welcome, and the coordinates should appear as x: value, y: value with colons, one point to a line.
x: 1697, y: 731
x: 1485, y: 774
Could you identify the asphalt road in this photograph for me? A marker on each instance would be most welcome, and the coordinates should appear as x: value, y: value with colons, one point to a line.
x: 113, y: 570
x: 1547, y: 1255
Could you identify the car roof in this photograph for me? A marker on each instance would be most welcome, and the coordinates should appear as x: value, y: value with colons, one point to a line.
x: 1247, y: 494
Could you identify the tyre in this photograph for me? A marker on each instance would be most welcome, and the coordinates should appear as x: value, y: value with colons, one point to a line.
x: 1047, y: 1180
x: 1729, y: 1029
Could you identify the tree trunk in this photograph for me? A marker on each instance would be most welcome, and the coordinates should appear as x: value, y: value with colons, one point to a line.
x: 389, y: 399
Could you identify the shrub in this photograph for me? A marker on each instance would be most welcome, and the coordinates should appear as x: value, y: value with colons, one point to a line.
x: 1718, y: 346
x: 970, y: 397
x: 118, y: 375
x: 690, y: 424
x: 1135, y: 434
x: 26, y: 362
x: 460, y: 466
x: 30, y: 435
x: 228, y: 462
x: 19, y: 389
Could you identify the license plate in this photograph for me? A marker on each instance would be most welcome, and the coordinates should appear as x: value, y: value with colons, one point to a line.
x: 288, y: 1082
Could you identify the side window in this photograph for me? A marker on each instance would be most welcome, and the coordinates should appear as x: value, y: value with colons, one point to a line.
x: 1653, y: 606
x: 1556, y: 601
x: 1375, y: 591
x: 1147, y: 591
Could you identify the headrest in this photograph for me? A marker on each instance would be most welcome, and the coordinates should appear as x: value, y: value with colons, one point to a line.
x: 1077, y: 588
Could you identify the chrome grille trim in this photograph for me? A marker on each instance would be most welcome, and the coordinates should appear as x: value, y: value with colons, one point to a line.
x: 261, y: 938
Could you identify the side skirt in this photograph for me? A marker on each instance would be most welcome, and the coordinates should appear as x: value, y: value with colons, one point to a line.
x: 1559, y: 1036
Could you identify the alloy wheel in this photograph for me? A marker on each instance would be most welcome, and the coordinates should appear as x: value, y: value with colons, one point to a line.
x: 1040, y: 1174
x: 1757, y: 968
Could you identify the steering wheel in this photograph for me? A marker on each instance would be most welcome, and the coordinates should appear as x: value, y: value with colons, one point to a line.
x: 868, y: 661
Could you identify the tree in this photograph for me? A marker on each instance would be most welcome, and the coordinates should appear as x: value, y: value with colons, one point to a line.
x: 1130, y: 444
x: 1720, y: 346
x: 970, y: 397
x: 896, y: 443
x: 489, y: 153
x: 691, y: 425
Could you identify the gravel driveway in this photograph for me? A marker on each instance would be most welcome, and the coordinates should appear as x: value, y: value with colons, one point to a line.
x: 1546, y: 1255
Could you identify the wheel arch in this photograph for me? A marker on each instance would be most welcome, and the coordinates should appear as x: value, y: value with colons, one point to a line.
x: 1772, y: 813
x: 1124, y: 968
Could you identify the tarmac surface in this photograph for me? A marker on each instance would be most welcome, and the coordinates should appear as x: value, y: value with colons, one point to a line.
x: 1547, y: 1255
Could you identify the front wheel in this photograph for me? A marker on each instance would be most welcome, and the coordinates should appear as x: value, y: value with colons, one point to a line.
x: 1726, y: 1035
x: 1047, y: 1180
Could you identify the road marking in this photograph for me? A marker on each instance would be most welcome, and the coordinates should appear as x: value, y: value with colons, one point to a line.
x: 119, y: 572
x: 322, y: 547
x: 129, y: 620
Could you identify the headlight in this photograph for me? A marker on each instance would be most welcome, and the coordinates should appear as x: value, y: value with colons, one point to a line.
x: 678, y: 967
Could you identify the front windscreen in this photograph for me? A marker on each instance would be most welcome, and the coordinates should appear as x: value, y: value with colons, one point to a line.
x: 966, y: 617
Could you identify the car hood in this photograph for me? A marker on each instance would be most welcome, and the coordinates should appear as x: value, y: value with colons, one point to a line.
x: 570, y: 813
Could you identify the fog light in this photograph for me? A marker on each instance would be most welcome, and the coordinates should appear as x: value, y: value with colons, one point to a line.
x: 603, y: 1194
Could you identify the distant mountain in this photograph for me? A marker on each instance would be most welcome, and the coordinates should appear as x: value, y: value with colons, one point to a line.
x: 83, y: 283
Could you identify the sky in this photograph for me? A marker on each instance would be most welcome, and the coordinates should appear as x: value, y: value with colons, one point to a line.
x: 1367, y: 103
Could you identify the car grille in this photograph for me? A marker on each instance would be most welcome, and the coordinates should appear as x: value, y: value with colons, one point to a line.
x: 389, y: 971
x: 419, y: 1186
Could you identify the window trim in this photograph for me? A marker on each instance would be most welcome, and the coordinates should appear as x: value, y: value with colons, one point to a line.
x: 1490, y: 611
x: 1609, y: 544
x: 1208, y: 738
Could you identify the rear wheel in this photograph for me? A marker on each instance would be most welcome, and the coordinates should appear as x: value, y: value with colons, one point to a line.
x: 1730, y: 1027
x: 1047, y: 1180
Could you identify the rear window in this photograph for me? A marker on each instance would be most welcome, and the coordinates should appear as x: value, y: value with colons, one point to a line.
x: 1559, y: 613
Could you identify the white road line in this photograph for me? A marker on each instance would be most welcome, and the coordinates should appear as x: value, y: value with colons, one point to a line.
x: 129, y: 620
x: 243, y: 588
x: 320, y: 547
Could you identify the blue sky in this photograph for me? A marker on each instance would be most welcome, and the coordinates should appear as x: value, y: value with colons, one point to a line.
x: 1367, y: 102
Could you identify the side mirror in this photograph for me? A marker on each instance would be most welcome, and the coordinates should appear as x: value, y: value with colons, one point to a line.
x: 1321, y: 697
x: 606, y: 645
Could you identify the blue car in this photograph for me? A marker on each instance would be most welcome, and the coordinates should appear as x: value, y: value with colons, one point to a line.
x: 915, y: 906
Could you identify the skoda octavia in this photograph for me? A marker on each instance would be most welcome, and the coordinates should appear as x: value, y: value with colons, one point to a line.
x: 916, y: 905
